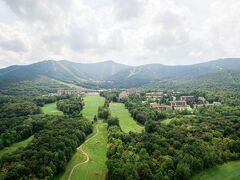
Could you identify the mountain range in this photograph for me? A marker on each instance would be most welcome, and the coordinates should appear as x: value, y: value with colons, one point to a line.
x: 109, y: 74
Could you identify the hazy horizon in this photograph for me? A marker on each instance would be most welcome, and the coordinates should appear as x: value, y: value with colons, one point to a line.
x: 134, y: 32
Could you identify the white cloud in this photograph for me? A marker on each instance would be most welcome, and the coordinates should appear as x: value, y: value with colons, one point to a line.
x: 126, y: 10
x: 132, y: 32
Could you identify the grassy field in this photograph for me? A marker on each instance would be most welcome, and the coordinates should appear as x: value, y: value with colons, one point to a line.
x: 14, y: 147
x: 92, y: 102
x: 96, y: 147
x: 51, y: 109
x: 227, y: 171
x: 126, y: 121
x: 95, y: 168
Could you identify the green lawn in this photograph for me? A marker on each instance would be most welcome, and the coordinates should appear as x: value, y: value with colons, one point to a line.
x: 96, y: 147
x: 14, y: 147
x: 51, y: 109
x: 95, y: 168
x: 227, y: 171
x: 92, y: 102
x: 126, y: 121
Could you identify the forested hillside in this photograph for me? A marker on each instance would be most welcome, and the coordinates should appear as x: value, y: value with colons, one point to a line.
x: 60, y: 70
x: 53, y: 138
x: 110, y: 74
x: 213, y: 71
x: 175, y: 144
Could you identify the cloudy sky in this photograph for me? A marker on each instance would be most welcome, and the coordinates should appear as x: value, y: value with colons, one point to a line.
x: 127, y: 31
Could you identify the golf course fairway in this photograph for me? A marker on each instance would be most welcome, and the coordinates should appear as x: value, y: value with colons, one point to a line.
x: 126, y: 122
x: 94, y: 150
x: 227, y: 171
x: 51, y: 109
x: 91, y: 104
x: 88, y: 162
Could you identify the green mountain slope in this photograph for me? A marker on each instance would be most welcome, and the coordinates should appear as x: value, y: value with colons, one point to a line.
x: 60, y: 70
x: 142, y: 75
x: 109, y: 74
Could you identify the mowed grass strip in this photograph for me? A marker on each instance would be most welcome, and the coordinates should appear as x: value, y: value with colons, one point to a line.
x: 91, y: 104
x: 14, y: 147
x: 96, y: 148
x: 77, y: 157
x: 227, y: 171
x: 127, y: 123
x: 51, y: 109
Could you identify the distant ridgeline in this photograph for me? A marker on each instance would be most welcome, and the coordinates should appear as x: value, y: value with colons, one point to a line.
x: 48, y: 76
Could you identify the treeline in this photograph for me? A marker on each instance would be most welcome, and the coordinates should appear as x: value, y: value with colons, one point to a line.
x: 36, y: 87
x: 14, y: 109
x: 17, y: 129
x: 42, y: 100
x: 104, y: 112
x: 49, y: 152
x: 71, y: 106
x: 110, y: 95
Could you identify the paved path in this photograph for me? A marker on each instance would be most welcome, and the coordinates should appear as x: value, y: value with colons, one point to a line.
x: 80, y: 148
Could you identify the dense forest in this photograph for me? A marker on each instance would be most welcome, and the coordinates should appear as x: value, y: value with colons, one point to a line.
x: 71, y: 106
x: 180, y: 149
x: 50, y: 150
x: 191, y: 142
x: 55, y: 137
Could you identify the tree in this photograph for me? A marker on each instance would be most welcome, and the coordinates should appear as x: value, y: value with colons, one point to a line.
x: 95, y: 118
x: 183, y: 171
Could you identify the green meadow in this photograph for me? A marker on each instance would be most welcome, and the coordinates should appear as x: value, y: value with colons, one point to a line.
x: 127, y: 123
x: 95, y: 147
x: 15, y: 146
x: 51, y: 109
x: 91, y: 104
x: 227, y: 171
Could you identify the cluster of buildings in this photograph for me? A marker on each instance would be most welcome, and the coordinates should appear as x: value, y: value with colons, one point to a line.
x: 124, y: 94
x: 182, y: 104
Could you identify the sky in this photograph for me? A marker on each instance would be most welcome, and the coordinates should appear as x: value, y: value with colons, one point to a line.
x: 131, y: 32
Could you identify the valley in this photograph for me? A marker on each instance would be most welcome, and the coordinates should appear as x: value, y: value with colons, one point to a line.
x: 125, y: 123
x: 119, y: 90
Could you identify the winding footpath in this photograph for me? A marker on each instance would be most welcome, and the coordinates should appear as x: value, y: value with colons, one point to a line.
x: 80, y: 148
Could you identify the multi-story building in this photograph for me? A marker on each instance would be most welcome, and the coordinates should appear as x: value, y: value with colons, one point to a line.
x: 155, y: 94
x: 188, y: 99
x: 178, y: 103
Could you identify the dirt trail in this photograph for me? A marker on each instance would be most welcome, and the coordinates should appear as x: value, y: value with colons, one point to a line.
x: 80, y: 148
